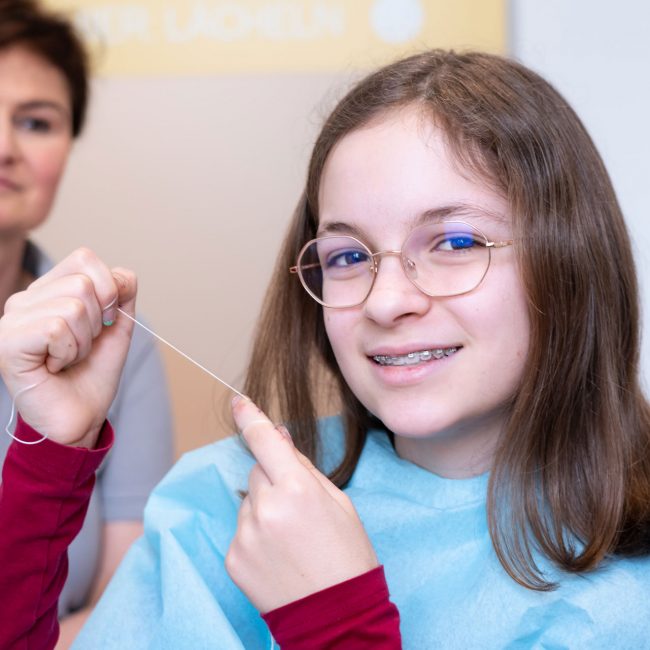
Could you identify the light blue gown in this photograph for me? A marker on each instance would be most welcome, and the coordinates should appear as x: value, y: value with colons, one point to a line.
x: 172, y: 590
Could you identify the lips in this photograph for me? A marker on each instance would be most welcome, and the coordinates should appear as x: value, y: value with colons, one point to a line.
x: 7, y: 184
x: 414, y: 356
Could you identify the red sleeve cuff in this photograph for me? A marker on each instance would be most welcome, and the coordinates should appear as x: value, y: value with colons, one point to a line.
x: 352, y: 615
x: 49, y: 458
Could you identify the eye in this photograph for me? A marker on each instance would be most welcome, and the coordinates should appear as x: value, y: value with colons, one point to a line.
x: 34, y: 124
x: 347, y: 258
x: 456, y: 242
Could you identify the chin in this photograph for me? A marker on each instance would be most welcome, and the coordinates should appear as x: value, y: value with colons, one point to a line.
x: 20, y: 224
x: 414, y: 425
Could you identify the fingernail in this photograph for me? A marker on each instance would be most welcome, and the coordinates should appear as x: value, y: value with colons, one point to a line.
x: 108, y: 316
x: 119, y: 280
x: 239, y: 398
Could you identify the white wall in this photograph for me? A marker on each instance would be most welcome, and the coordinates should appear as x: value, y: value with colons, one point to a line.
x: 597, y: 54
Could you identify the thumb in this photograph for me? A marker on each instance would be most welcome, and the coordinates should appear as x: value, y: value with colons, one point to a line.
x: 329, y: 487
x: 127, y: 288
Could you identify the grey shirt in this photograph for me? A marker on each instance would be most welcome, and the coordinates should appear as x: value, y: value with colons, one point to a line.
x: 141, y: 455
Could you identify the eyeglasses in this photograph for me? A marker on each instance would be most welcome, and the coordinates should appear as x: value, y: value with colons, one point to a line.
x: 441, y: 259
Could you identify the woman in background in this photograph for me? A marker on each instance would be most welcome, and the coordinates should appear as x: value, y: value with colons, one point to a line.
x: 44, y: 85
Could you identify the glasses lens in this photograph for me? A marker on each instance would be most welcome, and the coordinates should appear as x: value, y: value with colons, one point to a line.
x: 446, y: 259
x: 337, y: 271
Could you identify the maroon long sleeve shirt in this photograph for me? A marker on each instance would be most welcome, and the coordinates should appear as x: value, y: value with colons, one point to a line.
x: 43, y: 501
x: 44, y: 496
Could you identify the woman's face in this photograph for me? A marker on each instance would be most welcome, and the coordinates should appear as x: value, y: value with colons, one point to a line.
x: 446, y: 413
x: 35, y: 138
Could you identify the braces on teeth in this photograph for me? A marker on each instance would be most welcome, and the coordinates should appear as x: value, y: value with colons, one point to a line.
x: 413, y: 358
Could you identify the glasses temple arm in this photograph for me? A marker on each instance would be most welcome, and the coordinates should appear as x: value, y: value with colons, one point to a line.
x: 294, y: 269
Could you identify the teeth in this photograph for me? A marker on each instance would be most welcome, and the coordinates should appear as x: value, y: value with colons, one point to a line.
x: 413, y: 358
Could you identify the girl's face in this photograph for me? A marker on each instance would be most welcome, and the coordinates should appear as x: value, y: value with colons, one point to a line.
x: 446, y: 413
x: 35, y: 138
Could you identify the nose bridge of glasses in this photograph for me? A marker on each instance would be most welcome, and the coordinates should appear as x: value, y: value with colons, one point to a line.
x: 408, y: 266
x: 376, y: 256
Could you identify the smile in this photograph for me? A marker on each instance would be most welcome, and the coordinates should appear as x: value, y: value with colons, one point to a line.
x: 414, y: 358
x: 6, y: 184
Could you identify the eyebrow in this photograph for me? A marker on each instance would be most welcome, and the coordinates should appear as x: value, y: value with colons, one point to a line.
x: 461, y: 211
x: 464, y: 211
x: 39, y: 104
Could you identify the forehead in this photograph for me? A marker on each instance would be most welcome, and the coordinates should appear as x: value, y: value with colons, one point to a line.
x: 400, y: 170
x: 26, y: 76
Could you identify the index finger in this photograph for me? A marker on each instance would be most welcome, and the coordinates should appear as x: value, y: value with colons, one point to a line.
x: 84, y: 261
x: 273, y: 450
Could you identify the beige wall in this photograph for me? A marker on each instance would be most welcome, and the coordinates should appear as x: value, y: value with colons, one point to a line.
x: 191, y: 179
x: 191, y: 183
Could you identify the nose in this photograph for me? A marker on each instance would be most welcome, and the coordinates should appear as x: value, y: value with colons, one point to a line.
x: 8, y: 144
x: 393, y: 296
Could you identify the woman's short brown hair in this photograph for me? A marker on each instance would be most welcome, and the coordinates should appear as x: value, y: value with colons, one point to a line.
x: 571, y: 476
x: 52, y: 37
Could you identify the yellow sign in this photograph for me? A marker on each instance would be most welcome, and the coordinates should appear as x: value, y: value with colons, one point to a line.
x: 143, y: 37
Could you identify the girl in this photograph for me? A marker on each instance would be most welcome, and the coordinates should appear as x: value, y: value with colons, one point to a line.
x: 459, y: 270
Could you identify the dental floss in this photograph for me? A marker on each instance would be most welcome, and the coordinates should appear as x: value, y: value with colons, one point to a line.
x: 173, y: 347
x: 144, y: 327
x: 13, y: 414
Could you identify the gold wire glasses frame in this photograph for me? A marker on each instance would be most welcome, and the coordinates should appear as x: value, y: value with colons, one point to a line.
x: 454, y: 260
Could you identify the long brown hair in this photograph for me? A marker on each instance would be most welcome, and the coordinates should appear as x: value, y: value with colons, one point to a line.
x: 571, y: 475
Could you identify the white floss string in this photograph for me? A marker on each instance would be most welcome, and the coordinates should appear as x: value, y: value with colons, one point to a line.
x: 13, y: 415
x: 173, y: 347
x: 144, y: 327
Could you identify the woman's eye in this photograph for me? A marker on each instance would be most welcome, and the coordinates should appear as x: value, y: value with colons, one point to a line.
x: 347, y: 258
x: 35, y: 125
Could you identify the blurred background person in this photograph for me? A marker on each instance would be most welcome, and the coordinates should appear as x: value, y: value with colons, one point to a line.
x: 44, y: 87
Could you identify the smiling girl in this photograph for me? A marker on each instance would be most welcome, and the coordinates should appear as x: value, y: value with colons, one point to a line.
x: 459, y: 269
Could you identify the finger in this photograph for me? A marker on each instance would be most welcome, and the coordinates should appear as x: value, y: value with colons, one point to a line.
x: 258, y: 481
x: 110, y: 348
x: 127, y: 288
x: 47, y: 321
x: 74, y: 287
x: 73, y: 312
x: 331, y: 489
x: 85, y: 262
x: 274, y: 452
x: 62, y: 348
x: 307, y: 464
x: 245, y: 509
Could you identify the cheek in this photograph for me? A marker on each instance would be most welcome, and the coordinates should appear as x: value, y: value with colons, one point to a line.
x: 498, y: 327
x: 331, y: 327
x: 509, y: 330
x: 516, y: 322
x: 338, y: 326
x: 47, y: 164
x: 50, y: 164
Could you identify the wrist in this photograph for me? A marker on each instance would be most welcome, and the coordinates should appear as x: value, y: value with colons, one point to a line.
x: 88, y: 440
x: 32, y: 432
